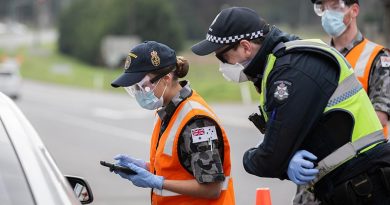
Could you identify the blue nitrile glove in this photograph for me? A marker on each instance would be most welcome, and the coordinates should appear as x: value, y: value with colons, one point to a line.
x: 143, y: 178
x: 122, y: 158
x: 300, y: 169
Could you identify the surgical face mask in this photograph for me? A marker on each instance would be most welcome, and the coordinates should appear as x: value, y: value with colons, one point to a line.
x: 234, y: 72
x: 332, y: 22
x: 148, y: 100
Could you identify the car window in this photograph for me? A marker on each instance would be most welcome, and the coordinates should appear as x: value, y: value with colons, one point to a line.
x: 14, y: 188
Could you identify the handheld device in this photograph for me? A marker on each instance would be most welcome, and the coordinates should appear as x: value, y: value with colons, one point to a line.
x: 114, y: 167
x: 258, y: 121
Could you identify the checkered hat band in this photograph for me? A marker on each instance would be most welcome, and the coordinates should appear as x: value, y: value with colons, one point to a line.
x: 232, y: 39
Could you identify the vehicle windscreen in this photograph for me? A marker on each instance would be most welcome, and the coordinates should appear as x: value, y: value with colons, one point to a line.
x: 14, y: 188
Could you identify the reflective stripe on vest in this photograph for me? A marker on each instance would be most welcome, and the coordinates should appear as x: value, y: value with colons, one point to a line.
x: 363, y: 58
x: 188, y: 107
x: 165, y: 192
x: 349, y: 87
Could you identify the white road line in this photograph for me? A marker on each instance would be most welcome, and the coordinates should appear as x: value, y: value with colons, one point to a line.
x: 108, y: 113
x: 121, y: 114
x: 109, y: 130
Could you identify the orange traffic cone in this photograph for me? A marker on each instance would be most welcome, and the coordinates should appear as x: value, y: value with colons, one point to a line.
x: 263, y: 196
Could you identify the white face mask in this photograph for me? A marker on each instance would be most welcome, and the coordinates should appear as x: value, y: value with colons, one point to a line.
x: 234, y: 72
x: 332, y: 22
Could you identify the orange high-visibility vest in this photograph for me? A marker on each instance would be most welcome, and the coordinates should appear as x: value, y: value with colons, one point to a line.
x: 361, y: 57
x: 164, y: 161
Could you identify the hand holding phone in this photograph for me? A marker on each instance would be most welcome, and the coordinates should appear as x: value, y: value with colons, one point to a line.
x: 118, y: 168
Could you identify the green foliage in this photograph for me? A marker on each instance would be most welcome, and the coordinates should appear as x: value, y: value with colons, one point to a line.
x: 46, y: 67
x: 84, y: 24
x: 52, y: 67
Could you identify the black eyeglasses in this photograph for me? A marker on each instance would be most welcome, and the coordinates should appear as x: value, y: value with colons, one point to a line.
x: 219, y: 55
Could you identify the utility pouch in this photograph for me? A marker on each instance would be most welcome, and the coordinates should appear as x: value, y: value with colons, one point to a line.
x: 343, y: 195
x: 362, y: 186
x: 353, y: 192
x: 385, y: 178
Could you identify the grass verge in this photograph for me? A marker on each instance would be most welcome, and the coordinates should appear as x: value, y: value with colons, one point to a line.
x: 48, y: 65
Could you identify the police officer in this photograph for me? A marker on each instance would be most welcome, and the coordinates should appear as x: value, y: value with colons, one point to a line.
x: 189, y: 150
x: 310, y: 100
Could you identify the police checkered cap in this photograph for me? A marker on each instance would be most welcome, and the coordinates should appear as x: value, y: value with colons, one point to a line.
x: 232, y: 39
x: 230, y: 26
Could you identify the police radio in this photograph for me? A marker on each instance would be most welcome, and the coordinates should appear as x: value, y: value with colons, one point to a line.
x: 258, y: 121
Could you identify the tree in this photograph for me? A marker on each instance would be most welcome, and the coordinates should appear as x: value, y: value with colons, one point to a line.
x: 157, y: 20
x: 83, y: 25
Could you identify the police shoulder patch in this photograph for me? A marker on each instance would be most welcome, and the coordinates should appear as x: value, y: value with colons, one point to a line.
x: 282, y: 90
x: 203, y: 134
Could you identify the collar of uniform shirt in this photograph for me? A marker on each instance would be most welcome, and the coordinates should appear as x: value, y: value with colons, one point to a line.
x: 168, y: 110
x: 358, y: 38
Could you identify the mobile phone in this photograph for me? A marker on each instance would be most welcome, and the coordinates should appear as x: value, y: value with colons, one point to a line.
x: 114, y: 167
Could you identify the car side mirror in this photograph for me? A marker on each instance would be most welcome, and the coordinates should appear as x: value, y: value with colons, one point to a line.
x: 81, y: 189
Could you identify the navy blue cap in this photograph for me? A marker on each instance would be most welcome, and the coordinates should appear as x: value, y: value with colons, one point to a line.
x: 230, y: 26
x: 144, y: 58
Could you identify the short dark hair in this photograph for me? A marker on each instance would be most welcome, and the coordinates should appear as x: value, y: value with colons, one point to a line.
x: 347, y: 2
x: 350, y: 2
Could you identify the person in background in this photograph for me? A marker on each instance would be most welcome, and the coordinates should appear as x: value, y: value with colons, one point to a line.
x: 371, y: 62
x: 189, y: 150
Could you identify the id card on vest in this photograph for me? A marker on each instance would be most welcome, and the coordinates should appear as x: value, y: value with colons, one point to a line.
x: 203, y: 134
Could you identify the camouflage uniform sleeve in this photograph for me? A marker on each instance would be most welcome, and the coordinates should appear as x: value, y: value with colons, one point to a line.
x: 204, y: 162
x: 379, y: 84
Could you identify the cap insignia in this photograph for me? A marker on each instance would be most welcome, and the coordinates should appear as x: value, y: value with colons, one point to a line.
x: 128, y: 60
x: 155, y: 59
